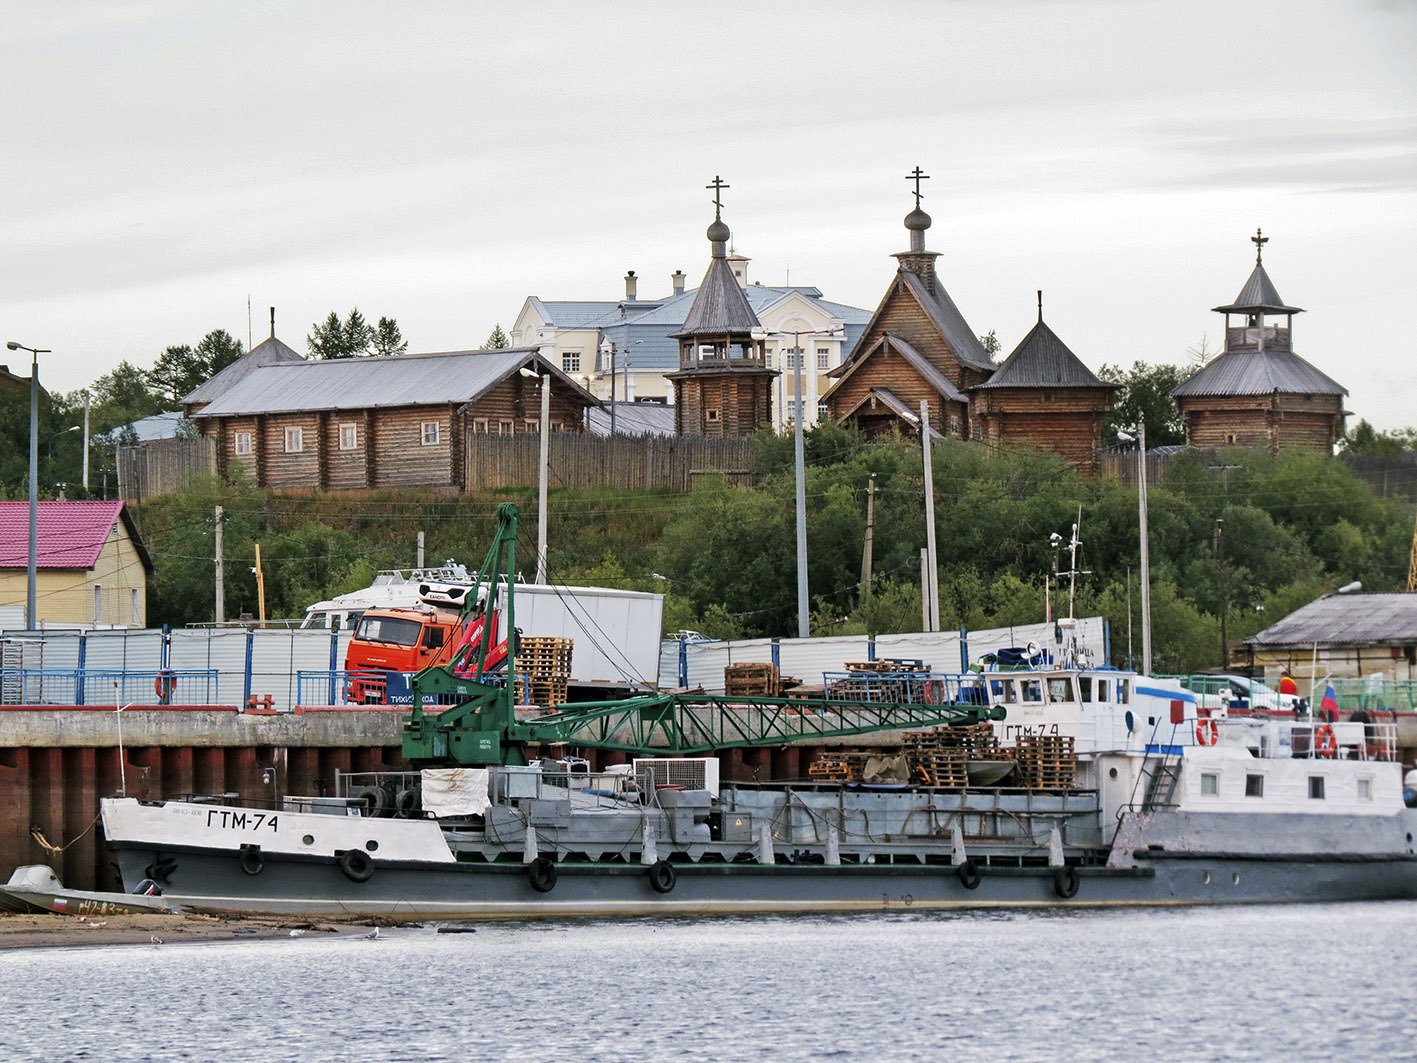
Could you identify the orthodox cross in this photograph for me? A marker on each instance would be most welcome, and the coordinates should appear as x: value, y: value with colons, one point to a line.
x: 917, y: 175
x: 718, y: 186
x: 1259, y: 240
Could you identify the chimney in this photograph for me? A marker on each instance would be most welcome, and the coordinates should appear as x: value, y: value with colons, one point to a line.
x: 677, y: 279
x: 273, y: 322
x: 630, y: 285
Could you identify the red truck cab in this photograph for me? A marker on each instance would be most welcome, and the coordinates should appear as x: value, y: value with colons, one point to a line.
x: 401, y: 641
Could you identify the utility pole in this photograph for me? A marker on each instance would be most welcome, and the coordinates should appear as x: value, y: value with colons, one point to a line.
x: 86, y: 443
x: 220, y: 573
x: 933, y: 597
x: 260, y: 587
x: 545, y: 461
x: 870, y: 530
x: 419, y: 557
x: 1145, y: 553
x: 1224, y: 592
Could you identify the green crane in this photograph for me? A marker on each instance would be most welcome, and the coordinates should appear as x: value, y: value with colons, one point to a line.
x: 475, y: 722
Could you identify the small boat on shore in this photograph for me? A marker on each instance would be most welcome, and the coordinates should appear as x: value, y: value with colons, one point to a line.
x: 37, y: 888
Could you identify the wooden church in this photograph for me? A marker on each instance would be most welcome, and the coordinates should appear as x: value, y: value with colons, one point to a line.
x: 1257, y: 392
x: 918, y: 346
x: 723, y: 386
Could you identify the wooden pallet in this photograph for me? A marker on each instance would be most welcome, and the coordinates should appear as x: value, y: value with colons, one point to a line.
x: 545, y: 659
x: 752, y: 678
x: 1046, y: 762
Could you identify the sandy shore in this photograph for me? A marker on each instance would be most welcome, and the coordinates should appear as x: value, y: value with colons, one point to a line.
x: 68, y: 931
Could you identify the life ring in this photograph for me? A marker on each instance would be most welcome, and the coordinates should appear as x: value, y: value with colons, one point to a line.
x: 164, y: 684
x: 356, y: 864
x: 1066, y: 882
x: 934, y: 691
x: 1325, y: 742
x: 541, y: 874
x: 251, y: 861
x: 662, y: 876
x: 1207, y: 732
x: 969, y: 876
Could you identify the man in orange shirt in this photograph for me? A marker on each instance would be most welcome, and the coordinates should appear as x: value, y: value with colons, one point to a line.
x: 1287, y: 684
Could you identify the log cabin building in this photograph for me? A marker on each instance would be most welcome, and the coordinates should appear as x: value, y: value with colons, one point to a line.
x: 1257, y: 392
x: 382, y: 422
x: 1043, y: 395
x: 723, y: 386
x: 918, y: 346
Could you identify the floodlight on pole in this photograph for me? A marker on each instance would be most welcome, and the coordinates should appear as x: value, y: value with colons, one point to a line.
x: 31, y: 595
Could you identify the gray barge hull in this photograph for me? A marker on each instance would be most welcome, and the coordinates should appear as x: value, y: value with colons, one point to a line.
x: 413, y: 891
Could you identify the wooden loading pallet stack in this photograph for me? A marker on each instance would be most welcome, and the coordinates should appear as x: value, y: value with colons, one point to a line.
x: 1046, y: 762
x: 885, y: 680
x: 545, y: 666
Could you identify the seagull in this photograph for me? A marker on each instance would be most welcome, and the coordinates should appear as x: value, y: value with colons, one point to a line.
x: 156, y: 940
x: 296, y: 933
x: 373, y: 935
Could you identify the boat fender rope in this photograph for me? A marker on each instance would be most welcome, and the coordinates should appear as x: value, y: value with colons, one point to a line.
x: 251, y: 862
x: 662, y: 876
x: 541, y: 874
x: 356, y: 864
x: 969, y: 876
x: 1326, y: 742
x: 1066, y: 882
x: 1207, y: 732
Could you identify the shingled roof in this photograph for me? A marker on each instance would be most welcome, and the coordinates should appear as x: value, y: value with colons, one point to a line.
x: 1259, y: 296
x: 1042, y: 360
x: 720, y: 307
x: 1258, y: 373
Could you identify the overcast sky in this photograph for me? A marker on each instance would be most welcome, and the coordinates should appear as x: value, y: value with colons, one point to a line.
x: 438, y: 162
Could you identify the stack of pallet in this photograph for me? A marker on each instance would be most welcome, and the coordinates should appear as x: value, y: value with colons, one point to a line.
x: 937, y: 756
x: 884, y: 680
x: 1046, y: 762
x: 545, y: 664
x: 751, y: 679
x: 839, y: 766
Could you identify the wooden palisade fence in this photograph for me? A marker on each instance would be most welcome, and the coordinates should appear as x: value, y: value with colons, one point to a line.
x: 624, y: 462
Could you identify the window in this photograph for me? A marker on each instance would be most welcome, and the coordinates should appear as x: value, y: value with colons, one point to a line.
x: 348, y: 436
x: 711, y: 416
x: 1032, y: 691
x: 1230, y: 438
x: 1316, y: 787
x: 1047, y: 396
x: 98, y: 603
x: 1365, y: 789
x: 824, y: 357
x: 1210, y: 784
x: 479, y: 426
x: 531, y: 426
x: 794, y: 357
x: 823, y: 414
x: 1059, y: 689
x: 571, y: 361
x: 1084, y: 688
x: 1122, y: 691
x: 504, y: 428
x: 391, y: 629
x: 430, y: 433
x: 137, y: 620
x: 242, y: 443
x: 294, y: 440
x: 767, y: 359
x: 1254, y: 785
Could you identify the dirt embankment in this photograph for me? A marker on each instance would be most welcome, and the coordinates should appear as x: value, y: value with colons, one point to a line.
x: 18, y: 931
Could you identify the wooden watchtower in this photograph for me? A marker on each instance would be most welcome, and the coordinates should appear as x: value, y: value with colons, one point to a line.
x: 1257, y: 392
x: 723, y: 386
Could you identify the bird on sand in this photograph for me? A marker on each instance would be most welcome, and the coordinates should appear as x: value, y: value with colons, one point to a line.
x: 373, y: 935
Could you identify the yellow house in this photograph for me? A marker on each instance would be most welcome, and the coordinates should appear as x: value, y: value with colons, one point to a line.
x: 91, y: 565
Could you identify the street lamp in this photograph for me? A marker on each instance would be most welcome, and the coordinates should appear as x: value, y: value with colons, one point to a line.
x: 607, y: 350
x: 1140, y: 440
x: 31, y: 597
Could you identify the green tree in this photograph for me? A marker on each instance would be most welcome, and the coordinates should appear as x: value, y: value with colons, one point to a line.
x: 1145, y: 396
x: 387, y: 339
x: 121, y: 396
x: 496, y: 340
x: 1363, y: 438
x: 991, y: 343
x: 335, y: 339
x: 181, y: 369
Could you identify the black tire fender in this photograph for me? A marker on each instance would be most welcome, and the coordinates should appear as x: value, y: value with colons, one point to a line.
x: 969, y: 876
x: 1066, y: 882
x: 662, y: 876
x: 251, y: 862
x: 541, y: 874
x: 356, y: 864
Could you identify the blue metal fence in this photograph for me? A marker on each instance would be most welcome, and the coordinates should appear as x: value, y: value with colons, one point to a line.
x: 82, y: 686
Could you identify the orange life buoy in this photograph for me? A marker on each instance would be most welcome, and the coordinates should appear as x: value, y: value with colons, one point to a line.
x: 1207, y: 732
x: 934, y: 692
x: 1325, y: 742
x: 163, y: 684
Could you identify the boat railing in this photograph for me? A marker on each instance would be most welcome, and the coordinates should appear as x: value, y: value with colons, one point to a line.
x: 1317, y: 739
x: 913, y: 688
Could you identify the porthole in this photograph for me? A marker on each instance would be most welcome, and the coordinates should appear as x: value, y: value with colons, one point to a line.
x: 1111, y: 773
x: 309, y: 839
x: 371, y: 845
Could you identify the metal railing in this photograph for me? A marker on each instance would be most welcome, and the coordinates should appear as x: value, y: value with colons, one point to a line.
x: 913, y: 688
x: 360, y: 689
x: 82, y: 686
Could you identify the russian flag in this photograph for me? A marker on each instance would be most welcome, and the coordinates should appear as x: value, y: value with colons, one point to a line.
x: 1330, y: 701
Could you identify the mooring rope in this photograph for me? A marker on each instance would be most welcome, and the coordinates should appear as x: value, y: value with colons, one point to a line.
x: 38, y: 835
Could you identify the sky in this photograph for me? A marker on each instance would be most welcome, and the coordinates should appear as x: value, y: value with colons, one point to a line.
x: 167, y: 164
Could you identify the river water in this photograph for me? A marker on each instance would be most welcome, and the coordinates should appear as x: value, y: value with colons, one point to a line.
x: 1299, y: 982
